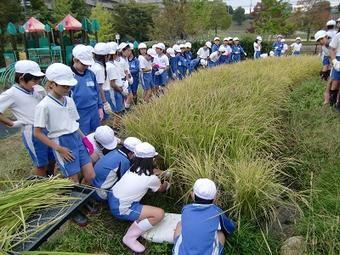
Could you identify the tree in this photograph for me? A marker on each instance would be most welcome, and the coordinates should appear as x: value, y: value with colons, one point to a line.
x: 230, y: 10
x: 312, y: 15
x: 219, y: 18
x: 239, y: 15
x: 39, y: 10
x: 79, y: 9
x: 104, y: 18
x: 60, y: 9
x: 10, y: 11
x: 271, y: 16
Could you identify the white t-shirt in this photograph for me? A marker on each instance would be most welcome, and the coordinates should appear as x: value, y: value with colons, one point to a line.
x: 257, y: 46
x: 22, y: 102
x: 284, y: 48
x: 162, y: 60
x: 335, y: 44
x: 123, y: 66
x: 99, y: 70
x: 203, y: 53
x: 59, y: 118
x: 214, y: 57
x: 296, y: 47
x: 144, y: 63
x: 324, y: 52
x: 97, y: 150
x: 132, y: 188
x: 112, y: 73
x: 332, y: 33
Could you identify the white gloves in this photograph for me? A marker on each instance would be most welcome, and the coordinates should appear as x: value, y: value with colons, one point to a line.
x: 107, y: 107
x: 17, y: 124
x: 159, y: 72
x: 130, y: 80
x: 336, y: 65
x: 245, y: 54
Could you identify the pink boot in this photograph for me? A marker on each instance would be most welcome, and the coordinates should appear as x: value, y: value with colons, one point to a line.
x: 130, y: 238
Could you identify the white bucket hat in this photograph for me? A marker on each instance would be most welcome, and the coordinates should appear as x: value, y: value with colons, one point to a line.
x: 61, y: 74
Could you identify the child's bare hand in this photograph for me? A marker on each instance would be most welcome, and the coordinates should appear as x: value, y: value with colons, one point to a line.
x: 66, y: 154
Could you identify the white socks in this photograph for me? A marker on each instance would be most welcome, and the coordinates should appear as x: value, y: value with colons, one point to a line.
x: 145, y: 225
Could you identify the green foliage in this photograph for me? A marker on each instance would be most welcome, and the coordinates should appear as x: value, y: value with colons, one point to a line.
x: 219, y: 17
x: 104, y: 18
x: 61, y: 9
x: 79, y: 9
x: 10, y: 11
x: 39, y: 10
x: 239, y: 15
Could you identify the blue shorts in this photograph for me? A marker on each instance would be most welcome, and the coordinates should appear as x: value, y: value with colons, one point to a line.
x: 89, y: 119
x: 134, y: 85
x: 134, y: 210
x: 147, y: 81
x: 326, y: 61
x: 119, y: 104
x: 257, y: 55
x: 109, y: 100
x: 74, y: 143
x: 296, y: 53
x: 39, y: 152
x: 161, y: 79
x: 212, y: 64
x: 236, y: 58
x: 218, y: 248
x: 335, y: 75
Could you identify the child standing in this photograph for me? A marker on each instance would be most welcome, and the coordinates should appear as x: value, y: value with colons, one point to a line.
x: 134, y: 71
x: 86, y: 93
x: 204, y: 226
x: 296, y: 47
x: 216, y: 45
x: 335, y: 57
x: 257, y: 47
x: 278, y: 46
x: 145, y: 65
x: 172, y: 63
x: 22, y: 99
x: 237, y: 50
x: 124, y: 198
x: 58, y: 114
x: 182, y: 64
x: 161, y: 76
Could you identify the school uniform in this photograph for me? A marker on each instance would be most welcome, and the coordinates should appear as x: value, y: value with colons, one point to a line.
x: 123, y: 67
x: 109, y: 169
x: 257, y: 50
x: 134, y: 70
x: 124, y: 198
x: 163, y: 62
x: 203, y: 53
x: 225, y: 57
x: 96, y: 148
x: 213, y: 59
x: 332, y: 33
x: 108, y: 91
x: 87, y: 99
x: 200, y: 223
x: 60, y: 119
x: 173, y: 67
x: 114, y: 73
x: 284, y: 48
x: 325, y: 55
x: 237, y: 50
x: 22, y: 104
x: 296, y: 48
x: 277, y: 47
x: 146, y: 77
x: 182, y: 65
x: 335, y: 43
x: 214, y: 47
x: 188, y: 56
x: 99, y: 71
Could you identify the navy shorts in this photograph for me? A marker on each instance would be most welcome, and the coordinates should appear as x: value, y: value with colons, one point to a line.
x: 134, y: 211
x: 119, y: 104
x: 89, y: 119
x: 326, y: 61
x: 335, y: 75
x: 161, y: 79
x: 147, y: 81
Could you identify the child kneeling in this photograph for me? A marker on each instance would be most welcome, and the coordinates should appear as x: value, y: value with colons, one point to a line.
x: 203, y: 225
x: 124, y: 198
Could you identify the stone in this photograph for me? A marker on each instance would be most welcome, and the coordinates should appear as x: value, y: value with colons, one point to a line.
x: 295, y: 245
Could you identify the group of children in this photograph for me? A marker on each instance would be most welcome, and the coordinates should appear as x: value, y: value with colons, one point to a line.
x: 329, y: 39
x: 63, y: 123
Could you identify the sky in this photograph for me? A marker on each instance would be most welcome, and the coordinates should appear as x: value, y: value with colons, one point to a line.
x: 246, y: 3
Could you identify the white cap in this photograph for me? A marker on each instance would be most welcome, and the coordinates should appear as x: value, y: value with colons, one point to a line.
x: 331, y: 22
x: 230, y: 38
x: 154, y: 46
x: 298, y: 38
x: 28, y: 66
x: 101, y: 49
x: 142, y: 46
x: 90, y: 48
x: 208, y: 44
x: 236, y: 39
x: 188, y: 45
x: 181, y: 46
x: 259, y: 38
x: 283, y: 40
x: 338, y: 20
x: 279, y: 36
x: 171, y: 52
x: 131, y: 46
x: 113, y: 47
x: 160, y: 46
x: 176, y: 48
x: 152, y: 53
x: 61, y: 74
x: 145, y: 150
x: 271, y: 53
x: 226, y: 39
x: 205, y: 188
x: 122, y: 46
x: 83, y: 54
x: 106, y: 137
x: 320, y: 34
x: 221, y: 49
x: 217, y: 38
x: 130, y: 143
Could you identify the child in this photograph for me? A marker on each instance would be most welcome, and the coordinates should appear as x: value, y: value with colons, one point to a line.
x: 215, y: 56
x: 58, y: 114
x: 22, y: 99
x: 134, y: 71
x: 113, y: 165
x: 203, y: 54
x: 188, y: 55
x: 100, y: 52
x: 296, y: 47
x: 334, y: 53
x: 161, y: 75
x: 284, y: 47
x: 124, y: 198
x: 204, y: 226
x: 86, y: 93
x: 145, y: 65
x: 182, y: 63
x: 257, y: 47
x: 170, y: 52
x: 331, y: 29
x: 216, y: 45
x: 102, y: 140
x: 237, y: 50
x: 278, y: 46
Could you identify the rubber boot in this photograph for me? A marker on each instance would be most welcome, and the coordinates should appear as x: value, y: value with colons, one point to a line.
x: 130, y: 238
x: 332, y: 97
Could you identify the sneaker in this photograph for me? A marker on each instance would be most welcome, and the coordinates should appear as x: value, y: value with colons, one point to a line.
x: 80, y: 219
